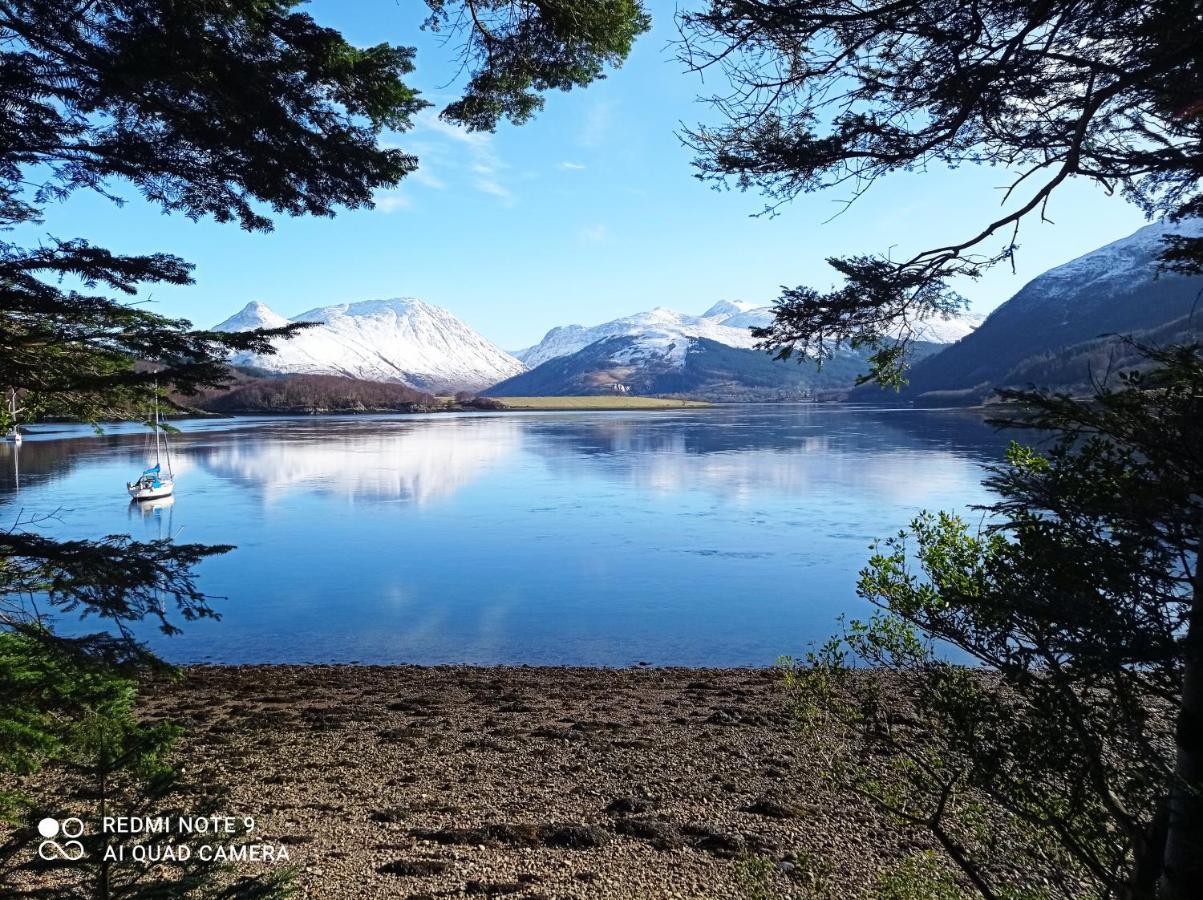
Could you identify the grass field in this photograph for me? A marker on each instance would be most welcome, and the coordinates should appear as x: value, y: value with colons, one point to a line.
x: 607, y: 402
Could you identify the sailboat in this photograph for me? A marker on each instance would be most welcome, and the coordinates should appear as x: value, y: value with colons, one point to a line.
x: 155, y: 481
x: 14, y: 430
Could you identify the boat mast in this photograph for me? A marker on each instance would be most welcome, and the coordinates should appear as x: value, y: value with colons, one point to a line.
x: 166, y: 443
x: 156, y: 423
x: 167, y: 453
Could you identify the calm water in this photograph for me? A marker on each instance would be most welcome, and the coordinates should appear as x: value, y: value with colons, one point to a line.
x: 727, y: 536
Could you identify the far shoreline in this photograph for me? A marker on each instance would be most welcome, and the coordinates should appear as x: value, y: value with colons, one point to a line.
x: 539, y: 404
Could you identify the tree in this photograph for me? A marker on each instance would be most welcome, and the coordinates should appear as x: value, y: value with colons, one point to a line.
x: 1071, y: 754
x: 530, y: 47
x: 232, y: 109
x: 834, y: 93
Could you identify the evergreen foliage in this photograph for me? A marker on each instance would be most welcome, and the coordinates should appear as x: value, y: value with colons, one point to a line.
x: 834, y: 93
x: 1071, y: 755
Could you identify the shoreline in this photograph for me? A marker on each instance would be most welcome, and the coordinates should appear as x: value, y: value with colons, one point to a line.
x: 552, y: 782
x: 430, y: 781
x: 654, y: 404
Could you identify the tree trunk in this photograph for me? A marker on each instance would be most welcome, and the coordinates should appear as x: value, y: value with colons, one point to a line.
x: 1182, y: 878
x: 1149, y: 857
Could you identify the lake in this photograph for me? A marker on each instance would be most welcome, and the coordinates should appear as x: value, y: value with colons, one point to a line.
x: 709, y: 537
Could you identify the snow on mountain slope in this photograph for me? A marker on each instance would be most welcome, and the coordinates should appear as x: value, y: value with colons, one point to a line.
x: 947, y: 331
x: 1035, y: 336
x: 1115, y: 265
x: 725, y: 310
x: 734, y: 314
x: 253, y: 315
x: 403, y: 340
x: 665, y: 334
x: 660, y: 332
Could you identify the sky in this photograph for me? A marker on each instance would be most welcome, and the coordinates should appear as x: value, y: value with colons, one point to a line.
x: 587, y: 213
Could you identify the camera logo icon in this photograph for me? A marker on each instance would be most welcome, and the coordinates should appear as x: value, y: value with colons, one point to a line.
x: 70, y: 849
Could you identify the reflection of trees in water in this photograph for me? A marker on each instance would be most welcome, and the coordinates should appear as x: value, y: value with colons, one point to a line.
x: 44, y: 460
x: 35, y: 461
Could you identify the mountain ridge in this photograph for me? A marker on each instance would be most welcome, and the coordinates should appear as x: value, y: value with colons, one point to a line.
x: 1116, y: 289
x: 726, y: 322
x: 403, y: 340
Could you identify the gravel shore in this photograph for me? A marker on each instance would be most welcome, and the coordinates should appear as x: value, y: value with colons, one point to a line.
x: 408, y: 782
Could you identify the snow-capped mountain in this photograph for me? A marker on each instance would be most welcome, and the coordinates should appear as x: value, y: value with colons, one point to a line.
x: 695, y: 367
x: 253, y: 315
x: 1115, y: 266
x: 664, y: 334
x: 1041, y: 335
x: 710, y: 356
x: 403, y: 340
x: 411, y: 342
x: 936, y: 330
x: 659, y: 332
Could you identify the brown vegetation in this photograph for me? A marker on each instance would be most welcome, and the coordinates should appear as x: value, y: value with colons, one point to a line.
x: 311, y: 394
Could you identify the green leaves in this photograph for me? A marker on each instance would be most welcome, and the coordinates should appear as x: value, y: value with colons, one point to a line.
x: 829, y: 96
x: 877, y: 308
x: 1054, y: 753
x: 516, y: 50
x: 207, y: 109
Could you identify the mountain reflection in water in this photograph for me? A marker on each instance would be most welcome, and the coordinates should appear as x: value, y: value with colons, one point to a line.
x: 723, y: 536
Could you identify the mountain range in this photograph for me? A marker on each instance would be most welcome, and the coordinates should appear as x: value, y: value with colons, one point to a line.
x: 708, y: 357
x: 1061, y: 330
x: 664, y: 332
x: 409, y: 342
x: 1052, y: 333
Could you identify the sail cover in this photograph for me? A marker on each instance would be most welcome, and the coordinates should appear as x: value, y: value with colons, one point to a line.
x: 153, y: 470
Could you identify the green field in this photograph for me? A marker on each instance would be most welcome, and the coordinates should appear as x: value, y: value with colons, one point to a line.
x: 616, y: 402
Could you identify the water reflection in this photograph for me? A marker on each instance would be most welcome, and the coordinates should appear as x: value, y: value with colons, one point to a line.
x: 12, y: 467
x: 711, y: 537
x: 155, y: 516
x: 786, y: 451
x: 419, y: 462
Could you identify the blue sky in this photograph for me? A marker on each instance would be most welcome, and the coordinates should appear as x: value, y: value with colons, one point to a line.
x: 587, y: 213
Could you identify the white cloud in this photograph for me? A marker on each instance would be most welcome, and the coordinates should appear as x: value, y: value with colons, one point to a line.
x: 430, y: 121
x: 593, y: 234
x: 469, y: 151
x: 489, y: 186
x: 426, y: 177
x: 572, y: 166
x: 391, y: 202
x: 599, y: 122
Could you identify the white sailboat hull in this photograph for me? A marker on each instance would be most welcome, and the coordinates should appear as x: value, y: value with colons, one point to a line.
x: 140, y: 491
